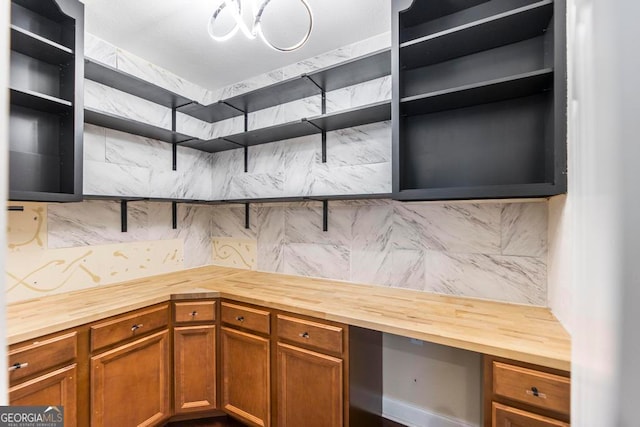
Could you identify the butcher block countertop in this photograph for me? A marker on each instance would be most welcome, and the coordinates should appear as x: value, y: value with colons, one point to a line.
x: 525, y: 333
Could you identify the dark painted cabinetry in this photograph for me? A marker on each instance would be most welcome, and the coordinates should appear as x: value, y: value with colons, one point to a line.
x: 479, y: 99
x: 46, y: 114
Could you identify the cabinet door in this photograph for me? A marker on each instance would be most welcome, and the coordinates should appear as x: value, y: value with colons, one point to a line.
x: 194, y: 368
x: 57, y: 388
x: 245, y: 377
x: 130, y: 384
x: 309, y: 388
x: 506, y: 416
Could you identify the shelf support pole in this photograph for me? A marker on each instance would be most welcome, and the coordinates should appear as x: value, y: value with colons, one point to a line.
x: 323, y: 95
x: 123, y: 216
x: 175, y: 145
x: 325, y: 215
x: 247, y: 222
x: 246, y: 149
x: 174, y: 215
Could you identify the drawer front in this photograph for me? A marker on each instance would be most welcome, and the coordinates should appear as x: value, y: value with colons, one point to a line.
x: 192, y: 312
x: 535, y: 388
x: 246, y: 317
x: 130, y: 326
x: 310, y: 334
x: 506, y: 416
x: 39, y: 356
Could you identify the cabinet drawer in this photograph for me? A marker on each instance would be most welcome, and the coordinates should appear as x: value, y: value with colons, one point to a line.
x: 39, y: 356
x: 192, y: 312
x: 310, y: 334
x: 535, y: 388
x: 246, y: 317
x: 129, y: 326
x: 505, y: 416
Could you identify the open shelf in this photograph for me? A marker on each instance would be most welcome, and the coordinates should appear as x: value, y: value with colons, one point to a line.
x: 125, y: 82
x: 38, y: 47
x: 479, y: 192
x: 348, y: 73
x: 358, y: 116
x: 479, y: 93
x: 40, y: 102
x: 498, y: 30
x: 134, y: 127
x: 290, y: 199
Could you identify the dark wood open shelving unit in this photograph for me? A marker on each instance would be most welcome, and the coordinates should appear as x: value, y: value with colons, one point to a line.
x: 479, y: 99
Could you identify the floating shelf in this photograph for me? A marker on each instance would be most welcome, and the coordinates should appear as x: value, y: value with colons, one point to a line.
x: 488, y: 33
x: 348, y: 73
x: 38, y: 47
x: 479, y: 93
x: 478, y: 193
x: 125, y: 82
x: 40, y: 102
x: 357, y: 116
x: 134, y: 127
x: 292, y: 199
x: 26, y: 196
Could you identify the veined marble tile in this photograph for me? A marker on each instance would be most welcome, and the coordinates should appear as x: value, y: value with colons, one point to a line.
x: 372, y: 267
x: 132, y: 150
x: 99, y: 50
x: 267, y: 158
x: 235, y: 253
x: 338, y: 100
x: 504, y: 278
x: 229, y: 222
x: 194, y: 228
x: 252, y: 83
x: 194, y: 127
x: 270, y: 234
x: 303, y: 224
x: 372, y: 228
x: 408, y: 269
x: 95, y: 222
x: 468, y: 228
x: 94, y: 143
x: 225, y: 165
x: 362, y: 145
x: 109, y: 100
x: 524, y: 229
x: 227, y: 127
x: 145, y: 70
x: 372, y: 91
x: 63, y: 270
x: 360, y: 179
x: 314, y: 260
x: 284, y: 113
x: 27, y: 229
x: 194, y: 161
x: 300, y: 160
x: 372, y: 44
x: 248, y: 186
x: 167, y: 184
x: 321, y: 61
x: 107, y: 179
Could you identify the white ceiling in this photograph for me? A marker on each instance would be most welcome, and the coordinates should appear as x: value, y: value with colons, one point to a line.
x: 173, y: 34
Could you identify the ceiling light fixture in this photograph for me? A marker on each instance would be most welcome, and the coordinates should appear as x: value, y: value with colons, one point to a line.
x: 235, y: 8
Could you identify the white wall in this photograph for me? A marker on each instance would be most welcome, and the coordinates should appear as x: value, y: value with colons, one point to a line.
x: 4, y: 114
x: 604, y: 151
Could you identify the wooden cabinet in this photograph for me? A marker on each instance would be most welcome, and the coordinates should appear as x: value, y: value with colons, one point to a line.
x: 523, y: 395
x: 310, y: 388
x: 43, y: 372
x: 194, y: 357
x: 130, y: 374
x: 246, y: 363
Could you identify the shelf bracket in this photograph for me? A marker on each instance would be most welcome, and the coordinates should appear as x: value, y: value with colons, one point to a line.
x: 175, y: 145
x: 323, y: 95
x: 175, y: 157
x: 123, y: 215
x: 174, y: 215
x: 247, y: 222
x: 325, y: 215
x: 324, y: 140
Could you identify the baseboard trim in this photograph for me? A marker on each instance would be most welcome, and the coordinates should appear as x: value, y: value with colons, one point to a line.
x: 414, y: 416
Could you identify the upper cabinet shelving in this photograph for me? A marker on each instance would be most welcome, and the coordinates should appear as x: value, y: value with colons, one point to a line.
x: 479, y: 99
x: 358, y: 70
x: 46, y: 113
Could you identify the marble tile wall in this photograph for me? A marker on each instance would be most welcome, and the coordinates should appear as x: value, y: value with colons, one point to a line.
x: 488, y: 250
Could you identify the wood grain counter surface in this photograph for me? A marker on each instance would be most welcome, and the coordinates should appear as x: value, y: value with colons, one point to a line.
x: 520, y: 332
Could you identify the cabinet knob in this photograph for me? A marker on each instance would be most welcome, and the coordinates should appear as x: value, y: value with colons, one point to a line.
x: 194, y: 313
x: 240, y: 318
x: 136, y: 327
x: 304, y: 335
x: 16, y: 366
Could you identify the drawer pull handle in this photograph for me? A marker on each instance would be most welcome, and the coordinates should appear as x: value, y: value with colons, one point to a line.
x: 17, y: 366
x: 194, y: 313
x: 536, y: 393
x: 240, y: 318
x: 136, y: 327
x: 305, y: 335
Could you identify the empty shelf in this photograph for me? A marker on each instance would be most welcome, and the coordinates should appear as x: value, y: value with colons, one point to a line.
x: 38, y: 47
x: 372, y: 113
x: 39, y: 101
x: 210, y: 113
